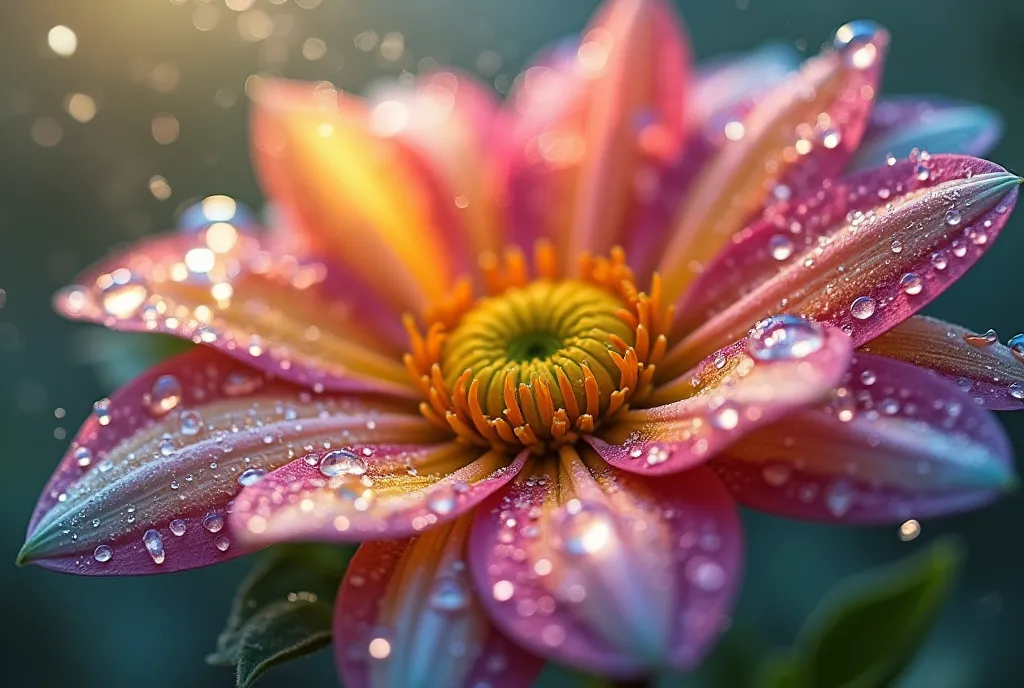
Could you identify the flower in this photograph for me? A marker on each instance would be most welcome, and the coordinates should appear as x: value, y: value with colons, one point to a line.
x: 544, y: 453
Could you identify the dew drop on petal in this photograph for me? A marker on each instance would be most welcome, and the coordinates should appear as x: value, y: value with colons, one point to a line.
x: 191, y: 422
x: 121, y: 294
x: 784, y: 337
x: 341, y: 462
x: 442, y: 500
x: 177, y: 527
x: 251, y: 476
x: 154, y: 545
x: 103, y: 553
x: 83, y: 457
x: 584, y: 529
x: 1016, y: 390
x: 781, y: 247
x: 1016, y: 345
x: 863, y: 307
x: 213, y: 522
x: 868, y: 377
x: 165, y: 395
x: 939, y: 260
x: 953, y: 217
x: 909, y: 530
x: 911, y: 283
x: 222, y: 543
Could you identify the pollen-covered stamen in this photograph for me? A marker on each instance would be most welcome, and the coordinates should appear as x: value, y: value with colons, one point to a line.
x: 541, y: 359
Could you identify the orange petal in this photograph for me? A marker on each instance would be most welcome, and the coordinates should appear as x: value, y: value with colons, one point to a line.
x: 978, y: 363
x: 300, y: 319
x: 802, y: 132
x: 590, y: 120
x: 354, y: 189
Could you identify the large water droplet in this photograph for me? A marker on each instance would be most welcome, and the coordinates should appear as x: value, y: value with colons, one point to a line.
x: 939, y: 260
x: 1016, y: 345
x: 154, y: 545
x: 213, y: 522
x: 222, y: 543
x: 165, y: 395
x: 863, y: 307
x: 780, y: 246
x: 251, y: 476
x: 191, y: 422
x: 1016, y: 390
x: 83, y: 457
x: 785, y: 337
x: 341, y: 462
x: 911, y: 283
x: 442, y: 500
x: 909, y: 530
x: 103, y: 553
x: 121, y: 294
x: 584, y: 528
x: 178, y: 527
x: 953, y: 217
x: 858, y: 42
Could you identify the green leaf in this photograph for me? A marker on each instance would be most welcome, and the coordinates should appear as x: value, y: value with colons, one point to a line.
x: 867, y: 630
x: 282, y: 610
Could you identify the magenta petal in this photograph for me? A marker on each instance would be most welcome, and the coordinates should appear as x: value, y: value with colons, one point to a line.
x: 899, y: 125
x: 895, y: 442
x: 863, y: 254
x: 630, y: 576
x: 362, y: 491
x: 146, y: 482
x: 730, y: 394
x: 407, y: 615
x: 302, y: 319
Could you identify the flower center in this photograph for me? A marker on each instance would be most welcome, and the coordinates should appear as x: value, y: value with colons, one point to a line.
x: 541, y: 359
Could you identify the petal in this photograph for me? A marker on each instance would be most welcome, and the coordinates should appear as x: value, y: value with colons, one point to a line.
x: 804, y: 131
x: 863, y: 254
x: 303, y: 320
x: 899, y: 125
x: 895, y: 442
x: 589, y: 119
x: 727, y: 396
x: 407, y: 615
x: 146, y: 482
x: 370, y: 492
x: 357, y: 191
x: 979, y: 364
x: 450, y: 118
x: 606, y: 571
x: 725, y: 82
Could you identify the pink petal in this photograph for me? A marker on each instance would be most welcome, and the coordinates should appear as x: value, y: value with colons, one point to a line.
x: 304, y: 320
x: 803, y: 132
x: 725, y: 82
x: 989, y: 371
x: 167, y: 453
x: 606, y: 571
x: 407, y: 615
x: 343, y: 179
x: 895, y: 442
x: 451, y: 119
x: 785, y: 364
x: 863, y: 254
x: 591, y: 120
x: 899, y: 125
x: 367, y: 491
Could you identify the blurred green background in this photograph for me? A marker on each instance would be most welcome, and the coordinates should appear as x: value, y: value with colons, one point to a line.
x: 70, y: 190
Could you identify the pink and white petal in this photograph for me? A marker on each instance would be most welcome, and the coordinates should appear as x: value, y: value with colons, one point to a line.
x: 145, y: 485
x: 895, y: 442
x: 304, y: 320
x: 899, y: 125
x: 407, y: 615
x: 978, y: 363
x: 451, y: 119
x: 802, y: 133
x: 588, y: 119
x: 366, y: 491
x: 784, y: 365
x: 360, y: 195
x: 607, y: 571
x: 863, y: 254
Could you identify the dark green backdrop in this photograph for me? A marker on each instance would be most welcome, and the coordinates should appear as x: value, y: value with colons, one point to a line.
x: 63, y: 206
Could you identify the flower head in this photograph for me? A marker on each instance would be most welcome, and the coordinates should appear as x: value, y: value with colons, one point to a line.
x: 535, y: 354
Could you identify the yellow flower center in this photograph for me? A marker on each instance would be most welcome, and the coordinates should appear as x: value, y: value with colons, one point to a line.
x: 541, y: 359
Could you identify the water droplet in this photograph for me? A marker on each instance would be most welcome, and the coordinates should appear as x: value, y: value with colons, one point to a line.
x: 963, y: 384
x: 909, y: 530
x: 982, y: 341
x: 165, y: 395
x: 584, y: 528
x: 959, y: 248
x: 103, y: 553
x: 780, y: 246
x: 1016, y: 345
x: 953, y: 217
x: 166, y: 446
x: 441, y: 500
x: 921, y: 172
x: 868, y: 377
x: 191, y: 422
x: 83, y: 457
x: 449, y: 594
x: 857, y: 42
x: 863, y: 307
x: 707, y: 574
x: 154, y: 545
x: 213, y: 522
x: 890, y: 159
x: 178, y: 527
x: 341, y: 462
x: 939, y: 261
x: 896, y: 246
x: 1016, y: 390
x: 777, y: 474
x: 785, y: 337
x: 251, y: 476
x: 101, y: 409
x: 725, y: 418
x: 121, y: 293
x: 911, y: 283
x: 222, y: 543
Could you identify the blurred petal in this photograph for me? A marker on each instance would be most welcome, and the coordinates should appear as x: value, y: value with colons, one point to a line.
x: 863, y: 254
x: 899, y: 125
x: 590, y: 120
x: 366, y: 491
x: 450, y: 118
x: 146, y: 482
x: 803, y: 132
x: 895, y: 442
x: 606, y: 571
x: 724, y: 82
x: 360, y: 193
x: 786, y: 364
x: 978, y: 363
x: 301, y: 319
x: 407, y: 616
